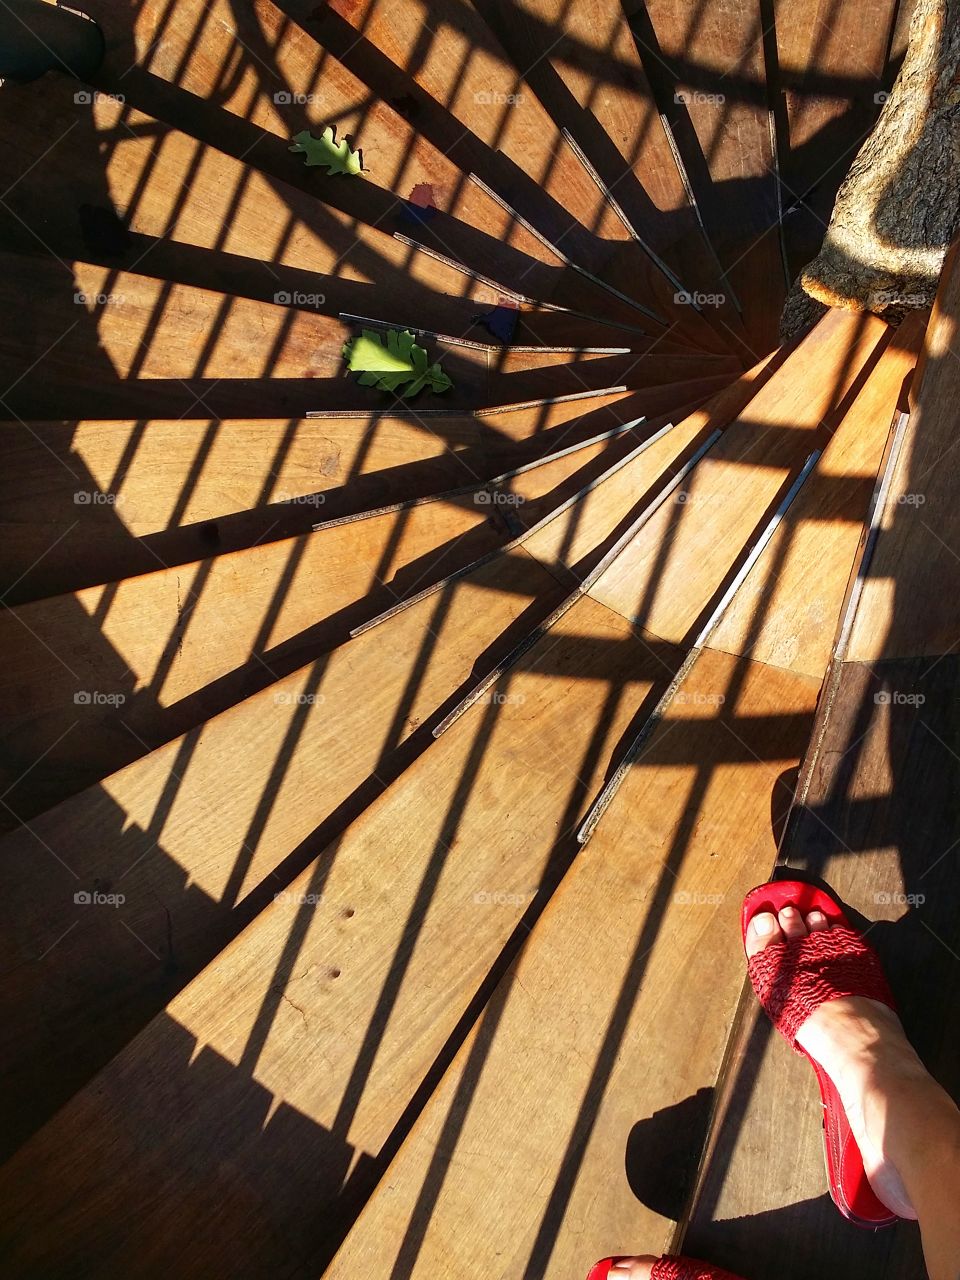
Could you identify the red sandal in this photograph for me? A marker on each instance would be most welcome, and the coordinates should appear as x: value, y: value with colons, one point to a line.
x: 669, y: 1269
x: 794, y: 978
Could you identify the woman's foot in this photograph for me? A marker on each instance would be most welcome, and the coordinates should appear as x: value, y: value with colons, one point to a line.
x: 862, y: 1047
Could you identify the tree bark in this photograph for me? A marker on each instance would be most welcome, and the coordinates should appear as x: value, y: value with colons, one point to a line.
x: 896, y: 212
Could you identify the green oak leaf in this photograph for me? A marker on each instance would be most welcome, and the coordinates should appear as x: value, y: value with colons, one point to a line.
x: 389, y: 366
x: 335, y: 156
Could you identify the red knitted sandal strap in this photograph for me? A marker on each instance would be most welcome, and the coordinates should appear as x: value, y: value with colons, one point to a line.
x: 688, y: 1269
x: 792, y: 979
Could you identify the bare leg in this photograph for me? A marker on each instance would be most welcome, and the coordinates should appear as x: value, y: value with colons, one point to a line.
x: 907, y: 1127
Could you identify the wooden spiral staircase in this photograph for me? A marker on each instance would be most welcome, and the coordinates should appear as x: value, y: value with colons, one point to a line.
x: 381, y: 776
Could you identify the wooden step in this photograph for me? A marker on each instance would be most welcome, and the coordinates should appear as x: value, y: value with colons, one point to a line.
x: 707, y: 66
x: 601, y: 1023
x: 355, y: 695
x: 191, y: 921
x: 122, y: 189
x: 873, y: 817
x: 167, y: 349
x: 693, y: 827
x: 51, y: 548
x: 832, y: 76
x: 511, y: 146
x: 570, y: 545
x: 178, y: 63
x: 336, y: 1009
x: 89, y: 502
x: 565, y: 55
x: 102, y: 676
x: 224, y: 815
x: 409, y: 1036
x: 666, y: 576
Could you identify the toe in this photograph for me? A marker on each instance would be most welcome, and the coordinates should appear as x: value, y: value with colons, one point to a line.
x: 792, y: 923
x: 817, y: 921
x: 633, y: 1268
x: 763, y: 929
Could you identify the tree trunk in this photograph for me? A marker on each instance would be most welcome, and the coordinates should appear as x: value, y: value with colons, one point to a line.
x: 897, y: 210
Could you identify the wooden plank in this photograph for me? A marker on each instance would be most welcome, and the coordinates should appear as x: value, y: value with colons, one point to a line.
x: 908, y: 603
x: 206, y: 843
x: 260, y: 67
x: 876, y: 818
x: 150, y: 190
x: 706, y: 63
x: 583, y: 67
x: 88, y: 502
x: 874, y: 815
x: 167, y: 349
x: 471, y: 100
x: 665, y: 578
x: 618, y: 1019
x: 694, y: 826
x: 223, y: 815
x: 246, y: 82
x: 153, y: 656
x: 832, y: 67
x: 571, y: 541
x: 786, y: 613
x: 337, y: 1008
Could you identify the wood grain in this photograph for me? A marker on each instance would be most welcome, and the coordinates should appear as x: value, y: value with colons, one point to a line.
x: 786, y: 612
x: 677, y: 562
x: 600, y: 1027
x: 339, y: 1002
x: 153, y: 656
x: 708, y: 63
x: 908, y: 606
x: 832, y: 65
x: 89, y: 502
x: 205, y: 822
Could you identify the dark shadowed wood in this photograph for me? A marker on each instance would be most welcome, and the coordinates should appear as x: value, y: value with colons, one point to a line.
x: 337, y: 999
x: 706, y: 62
